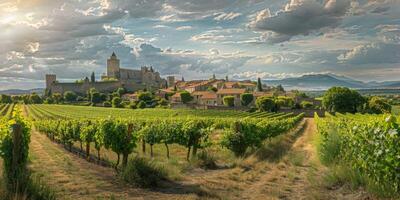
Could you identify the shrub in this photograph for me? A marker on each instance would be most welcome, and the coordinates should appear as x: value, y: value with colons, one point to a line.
x: 141, y: 105
x: 246, y: 98
x: 133, y: 105
x: 70, y: 96
x: 142, y: 172
x: 107, y: 104
x: 306, y: 104
x: 116, y: 102
x: 229, y: 101
x: 266, y: 104
x: 186, y: 97
x: 378, y: 106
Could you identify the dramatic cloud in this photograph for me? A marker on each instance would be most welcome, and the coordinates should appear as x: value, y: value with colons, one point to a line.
x: 374, y: 53
x: 300, y: 17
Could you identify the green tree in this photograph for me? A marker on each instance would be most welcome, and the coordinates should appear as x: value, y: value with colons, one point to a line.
x: 378, y: 105
x: 116, y: 102
x: 5, y: 99
x: 266, y: 104
x: 70, y: 96
x: 229, y: 101
x: 35, y: 99
x: 141, y: 105
x: 342, y: 99
x: 121, y: 91
x: 186, y: 97
x: 57, y: 97
x: 94, y: 96
x: 259, y: 85
x: 246, y: 98
x: 212, y: 89
x: 280, y: 88
x: 92, y: 77
x: 147, y: 97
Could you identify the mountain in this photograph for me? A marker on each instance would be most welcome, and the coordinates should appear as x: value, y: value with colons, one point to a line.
x: 325, y: 81
x: 21, y: 91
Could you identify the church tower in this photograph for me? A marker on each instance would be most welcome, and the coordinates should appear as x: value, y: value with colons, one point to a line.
x: 113, y: 67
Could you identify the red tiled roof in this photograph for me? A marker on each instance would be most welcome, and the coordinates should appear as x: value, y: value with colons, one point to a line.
x: 209, y: 95
x: 231, y: 91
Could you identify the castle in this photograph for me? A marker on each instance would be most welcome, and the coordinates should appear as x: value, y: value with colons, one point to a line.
x: 116, y: 77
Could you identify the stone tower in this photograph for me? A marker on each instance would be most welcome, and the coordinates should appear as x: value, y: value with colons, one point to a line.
x: 171, y: 81
x: 50, y: 79
x: 113, y: 70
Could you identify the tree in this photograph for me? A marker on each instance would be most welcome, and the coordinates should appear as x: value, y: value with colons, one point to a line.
x: 280, y: 88
x: 266, y: 104
x: 93, y: 78
x: 70, y: 96
x: 35, y: 99
x: 342, y: 99
x: 229, y: 101
x: 212, y: 89
x: 94, y: 96
x: 147, y: 97
x: 120, y: 91
x: 6, y: 99
x: 259, y: 85
x: 378, y: 106
x: 141, y: 105
x: 57, y: 97
x: 246, y: 98
x: 116, y: 102
x: 106, y: 104
x: 186, y: 97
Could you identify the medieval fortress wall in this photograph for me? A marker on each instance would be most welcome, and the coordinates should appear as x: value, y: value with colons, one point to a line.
x: 131, y: 80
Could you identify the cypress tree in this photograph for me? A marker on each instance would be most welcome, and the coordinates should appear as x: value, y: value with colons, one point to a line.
x: 259, y: 85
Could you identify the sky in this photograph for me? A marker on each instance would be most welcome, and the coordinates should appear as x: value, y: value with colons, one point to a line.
x: 244, y: 39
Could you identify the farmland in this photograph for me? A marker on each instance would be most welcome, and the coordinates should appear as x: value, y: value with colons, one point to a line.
x: 201, y: 154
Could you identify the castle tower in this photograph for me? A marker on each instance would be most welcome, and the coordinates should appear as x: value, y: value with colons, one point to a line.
x: 50, y: 79
x: 171, y: 81
x: 113, y: 67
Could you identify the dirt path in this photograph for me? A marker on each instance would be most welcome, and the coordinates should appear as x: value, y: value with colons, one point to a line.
x: 290, y: 178
x: 74, y: 178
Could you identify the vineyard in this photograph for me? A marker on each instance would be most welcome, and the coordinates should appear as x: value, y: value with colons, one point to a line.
x: 368, y: 144
x: 121, y: 131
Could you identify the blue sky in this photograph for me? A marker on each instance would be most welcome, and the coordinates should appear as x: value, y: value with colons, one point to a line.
x: 195, y: 38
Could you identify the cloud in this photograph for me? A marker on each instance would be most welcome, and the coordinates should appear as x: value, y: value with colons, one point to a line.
x: 300, y: 17
x: 373, y: 53
x: 182, y: 28
x: 216, y: 35
x: 226, y: 16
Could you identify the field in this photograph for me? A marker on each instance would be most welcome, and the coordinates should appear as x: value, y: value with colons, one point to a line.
x: 284, y: 158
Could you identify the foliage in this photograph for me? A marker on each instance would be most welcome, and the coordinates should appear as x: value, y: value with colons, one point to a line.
x: 141, y: 105
x: 106, y: 104
x: 306, y: 104
x: 229, y: 101
x: 145, y: 96
x: 57, y: 97
x: 368, y: 143
x: 342, y: 99
x: 212, y: 89
x: 259, y: 85
x: 35, y: 99
x: 186, y: 97
x: 378, y: 105
x: 116, y: 102
x: 246, y: 98
x: 266, y: 104
x: 70, y: 96
x: 5, y: 99
x: 94, y: 96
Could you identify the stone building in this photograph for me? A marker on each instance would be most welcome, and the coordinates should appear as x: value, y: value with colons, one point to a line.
x: 116, y: 77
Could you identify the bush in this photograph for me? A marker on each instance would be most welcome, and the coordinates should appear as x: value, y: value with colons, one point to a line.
x: 142, y: 172
x: 186, y: 97
x: 70, y: 96
x: 116, y: 102
x: 246, y: 98
x: 133, y: 105
x: 106, y: 104
x: 229, y: 101
x: 266, y: 104
x: 378, y: 106
x: 141, y: 105
x: 306, y: 104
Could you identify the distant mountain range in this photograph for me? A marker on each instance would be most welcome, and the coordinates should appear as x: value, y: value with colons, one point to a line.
x: 325, y: 81
x: 20, y: 91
